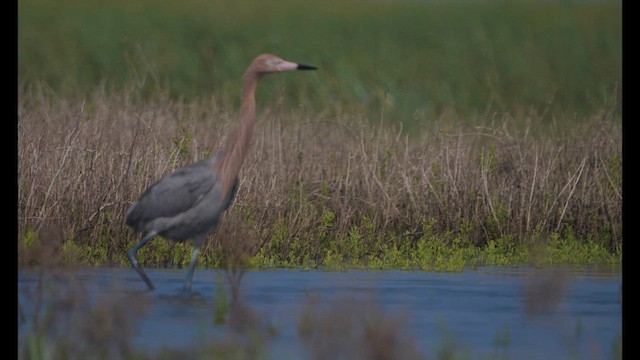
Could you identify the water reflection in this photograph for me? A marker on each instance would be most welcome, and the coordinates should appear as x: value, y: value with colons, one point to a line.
x: 495, y: 312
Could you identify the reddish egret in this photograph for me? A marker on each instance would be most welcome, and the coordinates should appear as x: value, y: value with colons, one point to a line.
x: 188, y: 203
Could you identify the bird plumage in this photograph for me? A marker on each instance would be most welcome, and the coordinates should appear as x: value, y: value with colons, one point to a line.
x: 184, y: 204
x: 188, y: 203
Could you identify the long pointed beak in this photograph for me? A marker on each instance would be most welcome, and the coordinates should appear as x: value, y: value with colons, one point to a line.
x: 306, y: 67
x: 290, y: 66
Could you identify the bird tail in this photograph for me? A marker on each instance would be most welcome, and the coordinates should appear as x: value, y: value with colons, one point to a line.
x: 130, y: 218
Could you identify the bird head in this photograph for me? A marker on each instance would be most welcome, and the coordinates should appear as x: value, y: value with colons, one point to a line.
x: 268, y: 64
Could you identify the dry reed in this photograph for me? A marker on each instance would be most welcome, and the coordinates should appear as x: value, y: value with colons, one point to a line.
x: 522, y: 177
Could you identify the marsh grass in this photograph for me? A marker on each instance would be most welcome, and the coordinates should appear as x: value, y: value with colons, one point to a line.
x: 66, y: 324
x: 419, y: 60
x: 316, y: 191
x: 355, y: 328
x: 65, y: 319
x: 435, y: 136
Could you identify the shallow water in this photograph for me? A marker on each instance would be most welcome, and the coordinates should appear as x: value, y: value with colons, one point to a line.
x: 515, y: 313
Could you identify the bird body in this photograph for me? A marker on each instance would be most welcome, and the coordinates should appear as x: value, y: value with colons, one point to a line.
x: 184, y: 204
x: 188, y: 203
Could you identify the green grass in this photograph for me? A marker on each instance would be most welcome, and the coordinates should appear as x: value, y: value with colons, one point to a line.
x: 414, y: 60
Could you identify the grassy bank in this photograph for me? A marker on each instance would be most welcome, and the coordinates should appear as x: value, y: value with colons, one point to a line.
x: 416, y: 60
x: 323, y: 191
x: 435, y: 135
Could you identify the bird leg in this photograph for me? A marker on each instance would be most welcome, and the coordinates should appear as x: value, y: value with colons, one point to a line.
x: 197, y: 243
x: 134, y: 262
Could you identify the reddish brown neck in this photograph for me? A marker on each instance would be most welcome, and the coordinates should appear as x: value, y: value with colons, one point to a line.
x: 240, y: 139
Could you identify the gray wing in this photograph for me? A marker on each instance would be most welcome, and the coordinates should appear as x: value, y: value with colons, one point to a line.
x: 175, y: 193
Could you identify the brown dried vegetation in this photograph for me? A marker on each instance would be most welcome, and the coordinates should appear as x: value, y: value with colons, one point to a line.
x: 308, y: 178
